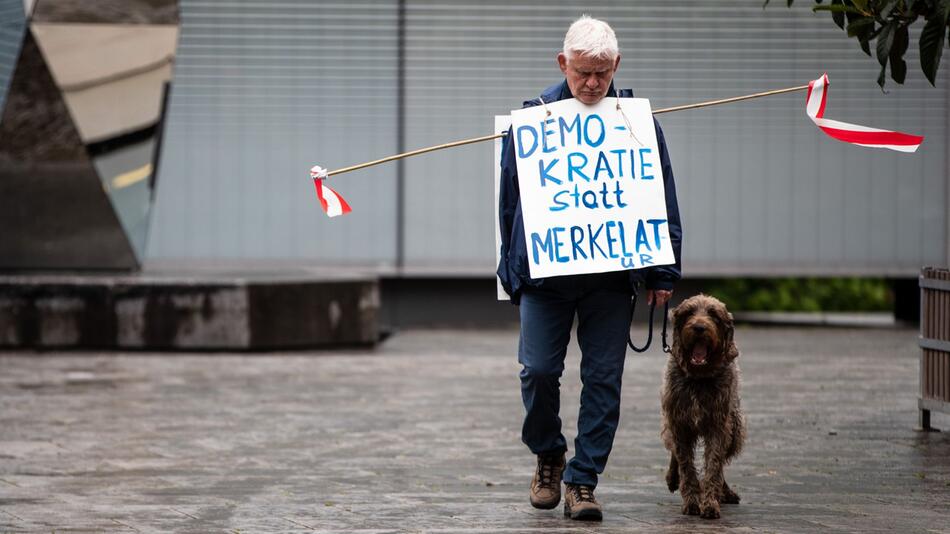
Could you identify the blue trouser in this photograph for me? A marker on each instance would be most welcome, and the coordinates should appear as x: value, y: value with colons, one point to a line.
x: 602, y: 305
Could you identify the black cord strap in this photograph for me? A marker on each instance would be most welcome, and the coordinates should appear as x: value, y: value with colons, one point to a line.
x: 666, y: 313
x: 633, y: 307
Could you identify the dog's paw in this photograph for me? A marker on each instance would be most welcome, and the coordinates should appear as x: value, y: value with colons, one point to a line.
x: 709, y: 510
x: 729, y: 497
x: 672, y: 480
x: 690, y: 507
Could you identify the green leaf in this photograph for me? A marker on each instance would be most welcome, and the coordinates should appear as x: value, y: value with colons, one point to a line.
x: 898, y: 65
x: 901, y: 40
x: 885, y: 40
x: 886, y: 10
x: 931, y: 46
x: 837, y: 8
x: 851, y: 16
x: 861, y: 4
x: 898, y: 70
x: 838, y: 16
x: 860, y: 26
x: 863, y: 35
x: 873, y: 35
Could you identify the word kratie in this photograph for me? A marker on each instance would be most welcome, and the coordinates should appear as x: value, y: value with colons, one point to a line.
x: 551, y: 135
x: 606, y: 240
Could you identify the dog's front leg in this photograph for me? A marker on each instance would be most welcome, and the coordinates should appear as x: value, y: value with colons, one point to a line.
x: 689, y: 483
x: 713, y: 480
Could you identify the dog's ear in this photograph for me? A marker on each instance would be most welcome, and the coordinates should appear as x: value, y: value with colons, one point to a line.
x: 730, y: 350
x: 676, y: 348
x: 677, y: 356
x: 678, y: 312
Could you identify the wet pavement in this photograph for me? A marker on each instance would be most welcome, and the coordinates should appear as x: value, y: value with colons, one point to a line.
x: 422, y: 434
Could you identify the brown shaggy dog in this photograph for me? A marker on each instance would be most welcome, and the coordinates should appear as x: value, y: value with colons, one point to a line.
x: 700, y: 399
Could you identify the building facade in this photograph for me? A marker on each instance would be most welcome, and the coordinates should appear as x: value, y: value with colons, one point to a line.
x: 263, y: 90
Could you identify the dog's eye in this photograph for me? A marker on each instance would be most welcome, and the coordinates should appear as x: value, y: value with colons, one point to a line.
x: 680, y: 317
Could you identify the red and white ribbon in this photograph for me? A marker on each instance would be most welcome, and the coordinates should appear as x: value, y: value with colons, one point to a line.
x: 332, y: 202
x: 852, y: 133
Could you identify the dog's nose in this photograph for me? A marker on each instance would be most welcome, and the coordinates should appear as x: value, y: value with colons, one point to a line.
x: 699, y: 329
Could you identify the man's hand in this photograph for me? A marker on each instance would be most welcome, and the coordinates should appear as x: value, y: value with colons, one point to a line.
x: 662, y: 296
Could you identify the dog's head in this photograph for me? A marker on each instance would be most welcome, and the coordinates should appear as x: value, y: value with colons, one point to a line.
x: 703, y: 335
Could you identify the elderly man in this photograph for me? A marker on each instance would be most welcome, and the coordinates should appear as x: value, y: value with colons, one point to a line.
x: 601, y: 303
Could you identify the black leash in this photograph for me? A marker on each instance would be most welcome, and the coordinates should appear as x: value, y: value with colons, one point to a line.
x: 666, y: 313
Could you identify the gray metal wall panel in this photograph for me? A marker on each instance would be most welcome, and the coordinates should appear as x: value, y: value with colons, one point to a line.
x: 263, y: 91
x: 761, y: 190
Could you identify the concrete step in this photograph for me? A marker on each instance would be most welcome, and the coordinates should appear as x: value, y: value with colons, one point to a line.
x: 201, y: 310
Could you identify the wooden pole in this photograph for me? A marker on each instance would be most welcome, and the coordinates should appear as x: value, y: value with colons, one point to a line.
x: 416, y: 153
x: 733, y: 99
x: 496, y: 136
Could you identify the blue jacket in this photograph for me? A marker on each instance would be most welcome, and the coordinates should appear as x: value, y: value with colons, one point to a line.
x: 513, y: 266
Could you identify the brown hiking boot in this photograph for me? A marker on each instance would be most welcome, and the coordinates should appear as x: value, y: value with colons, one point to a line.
x: 579, y: 503
x: 546, y: 485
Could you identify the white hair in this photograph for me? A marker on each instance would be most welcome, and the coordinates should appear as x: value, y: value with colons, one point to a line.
x: 591, y: 37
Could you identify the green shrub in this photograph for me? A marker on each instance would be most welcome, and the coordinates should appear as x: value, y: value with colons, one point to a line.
x: 803, y: 294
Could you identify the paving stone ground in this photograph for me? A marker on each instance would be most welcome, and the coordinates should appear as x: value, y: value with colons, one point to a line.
x: 422, y: 434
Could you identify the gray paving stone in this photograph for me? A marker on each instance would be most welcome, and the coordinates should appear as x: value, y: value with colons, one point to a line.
x: 422, y: 435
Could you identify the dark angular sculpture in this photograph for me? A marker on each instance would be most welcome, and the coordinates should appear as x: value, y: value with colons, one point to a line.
x: 83, y: 85
x: 12, y: 24
x: 80, y: 122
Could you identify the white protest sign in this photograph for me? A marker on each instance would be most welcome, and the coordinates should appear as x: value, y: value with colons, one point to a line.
x: 592, y: 191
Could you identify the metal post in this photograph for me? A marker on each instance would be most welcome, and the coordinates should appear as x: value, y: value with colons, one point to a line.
x: 401, y: 137
x: 923, y: 416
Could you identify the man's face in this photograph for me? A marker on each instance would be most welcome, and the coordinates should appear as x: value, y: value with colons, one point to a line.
x: 588, y: 77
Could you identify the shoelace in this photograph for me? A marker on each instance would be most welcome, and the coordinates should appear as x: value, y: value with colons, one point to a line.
x: 583, y: 493
x: 546, y: 472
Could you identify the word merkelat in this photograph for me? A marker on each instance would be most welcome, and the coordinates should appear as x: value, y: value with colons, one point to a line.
x: 591, y: 185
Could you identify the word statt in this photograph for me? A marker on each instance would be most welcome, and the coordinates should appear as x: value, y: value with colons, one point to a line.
x: 592, y: 191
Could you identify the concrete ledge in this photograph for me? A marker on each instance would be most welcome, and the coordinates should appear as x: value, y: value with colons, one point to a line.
x: 213, y: 311
x: 845, y: 319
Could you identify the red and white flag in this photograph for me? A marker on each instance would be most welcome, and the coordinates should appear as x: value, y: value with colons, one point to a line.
x: 852, y: 133
x: 332, y: 202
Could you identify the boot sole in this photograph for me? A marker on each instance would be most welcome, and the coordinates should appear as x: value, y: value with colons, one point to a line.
x: 584, y: 515
x: 546, y: 505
